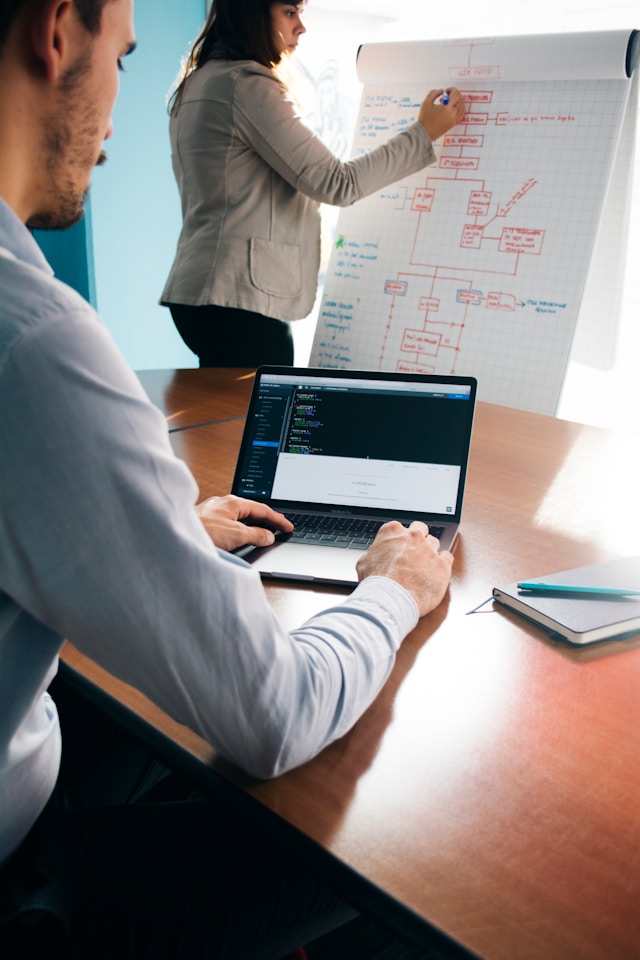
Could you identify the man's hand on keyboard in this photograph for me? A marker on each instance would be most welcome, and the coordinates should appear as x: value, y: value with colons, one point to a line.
x: 232, y: 522
x: 409, y: 555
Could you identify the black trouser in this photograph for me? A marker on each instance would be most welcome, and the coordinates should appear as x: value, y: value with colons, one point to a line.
x: 227, y: 337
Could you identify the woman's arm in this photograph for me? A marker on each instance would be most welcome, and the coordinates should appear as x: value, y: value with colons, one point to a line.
x: 268, y: 120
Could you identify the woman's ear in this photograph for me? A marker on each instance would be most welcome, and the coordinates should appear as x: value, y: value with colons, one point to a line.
x: 50, y: 35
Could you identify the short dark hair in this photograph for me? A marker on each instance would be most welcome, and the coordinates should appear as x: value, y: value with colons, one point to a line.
x: 243, y: 28
x: 89, y: 13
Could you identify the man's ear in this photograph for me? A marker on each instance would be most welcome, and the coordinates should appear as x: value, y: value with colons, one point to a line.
x: 50, y: 35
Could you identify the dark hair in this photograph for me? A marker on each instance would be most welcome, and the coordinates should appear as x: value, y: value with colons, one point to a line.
x: 89, y: 14
x: 241, y: 29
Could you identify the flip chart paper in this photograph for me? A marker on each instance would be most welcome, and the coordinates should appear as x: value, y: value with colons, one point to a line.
x: 478, y: 264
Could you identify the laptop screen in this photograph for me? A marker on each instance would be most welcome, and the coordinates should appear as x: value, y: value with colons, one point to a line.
x: 372, y: 442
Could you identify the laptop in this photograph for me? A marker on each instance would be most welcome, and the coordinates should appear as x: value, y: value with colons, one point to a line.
x: 342, y: 452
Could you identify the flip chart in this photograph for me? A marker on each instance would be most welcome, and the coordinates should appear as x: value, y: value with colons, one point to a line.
x: 478, y: 265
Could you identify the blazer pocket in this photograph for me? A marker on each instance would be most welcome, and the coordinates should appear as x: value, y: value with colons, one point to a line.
x: 275, y: 267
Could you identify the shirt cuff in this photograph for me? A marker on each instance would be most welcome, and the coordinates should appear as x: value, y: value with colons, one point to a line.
x: 394, y: 603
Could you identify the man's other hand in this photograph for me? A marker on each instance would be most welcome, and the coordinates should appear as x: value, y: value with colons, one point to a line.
x: 222, y: 518
x: 409, y: 555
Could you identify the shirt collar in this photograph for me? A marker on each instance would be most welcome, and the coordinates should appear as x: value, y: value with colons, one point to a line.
x: 19, y: 241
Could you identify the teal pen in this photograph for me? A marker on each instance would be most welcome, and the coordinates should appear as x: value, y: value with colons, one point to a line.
x: 536, y: 586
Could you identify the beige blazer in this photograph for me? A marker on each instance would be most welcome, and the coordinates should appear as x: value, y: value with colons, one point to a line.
x: 251, y: 177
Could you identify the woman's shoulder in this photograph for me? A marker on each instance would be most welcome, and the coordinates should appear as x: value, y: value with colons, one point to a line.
x: 215, y: 70
x: 234, y: 81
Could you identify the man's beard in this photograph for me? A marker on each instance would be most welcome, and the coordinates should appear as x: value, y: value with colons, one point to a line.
x: 68, y: 212
x: 69, y: 207
x: 69, y: 140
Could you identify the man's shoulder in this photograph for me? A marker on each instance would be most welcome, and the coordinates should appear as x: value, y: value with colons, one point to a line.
x: 55, y: 349
x: 31, y: 300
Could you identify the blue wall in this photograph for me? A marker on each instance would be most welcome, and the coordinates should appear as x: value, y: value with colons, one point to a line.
x: 135, y: 210
x: 70, y: 253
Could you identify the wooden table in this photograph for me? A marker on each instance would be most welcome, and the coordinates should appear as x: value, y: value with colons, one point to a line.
x: 492, y: 791
x: 190, y: 398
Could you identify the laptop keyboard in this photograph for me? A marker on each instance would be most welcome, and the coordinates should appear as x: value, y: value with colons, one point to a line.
x: 349, y: 532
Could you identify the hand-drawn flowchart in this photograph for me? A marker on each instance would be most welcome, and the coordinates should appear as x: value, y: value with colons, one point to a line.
x: 477, y: 265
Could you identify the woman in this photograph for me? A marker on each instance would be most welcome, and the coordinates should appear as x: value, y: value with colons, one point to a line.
x: 252, y: 177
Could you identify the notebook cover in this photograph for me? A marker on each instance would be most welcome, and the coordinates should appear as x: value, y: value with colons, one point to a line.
x: 583, y: 619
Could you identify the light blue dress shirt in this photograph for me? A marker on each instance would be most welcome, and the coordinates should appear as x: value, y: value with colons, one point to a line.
x: 99, y: 543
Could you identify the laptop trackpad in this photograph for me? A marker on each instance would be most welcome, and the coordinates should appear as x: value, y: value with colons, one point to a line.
x: 304, y: 562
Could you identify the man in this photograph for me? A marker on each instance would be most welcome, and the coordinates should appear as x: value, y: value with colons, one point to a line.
x: 100, y: 543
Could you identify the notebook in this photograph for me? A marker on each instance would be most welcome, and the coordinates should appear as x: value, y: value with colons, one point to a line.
x: 342, y: 452
x: 586, y: 617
